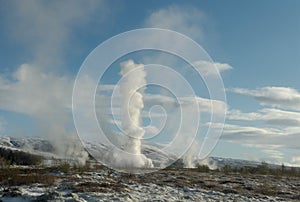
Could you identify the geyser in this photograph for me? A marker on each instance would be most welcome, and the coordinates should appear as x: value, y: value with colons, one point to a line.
x: 131, y: 90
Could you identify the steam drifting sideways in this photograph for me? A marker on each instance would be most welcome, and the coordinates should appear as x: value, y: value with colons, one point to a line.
x: 131, y: 89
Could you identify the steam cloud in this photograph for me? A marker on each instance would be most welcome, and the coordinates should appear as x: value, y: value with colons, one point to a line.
x: 46, y: 99
x: 131, y: 89
x: 35, y: 89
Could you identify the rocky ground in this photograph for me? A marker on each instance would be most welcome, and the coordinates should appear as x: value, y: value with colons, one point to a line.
x: 101, y: 184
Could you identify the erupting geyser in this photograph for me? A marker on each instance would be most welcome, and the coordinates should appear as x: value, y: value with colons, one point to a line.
x: 131, y: 89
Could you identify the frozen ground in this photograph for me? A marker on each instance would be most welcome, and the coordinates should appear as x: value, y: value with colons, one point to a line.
x: 101, y: 184
x: 165, y: 185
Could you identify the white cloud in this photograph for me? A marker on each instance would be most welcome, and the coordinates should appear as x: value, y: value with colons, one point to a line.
x: 280, y: 97
x: 184, y: 19
x: 106, y: 87
x: 45, y: 27
x: 237, y: 115
x: 222, y: 66
x: 211, y: 106
x: 270, y: 116
x: 262, y: 137
x: 251, y: 133
x: 284, y: 125
x: 205, y: 105
x: 47, y: 99
x: 165, y: 106
x: 211, y: 68
x: 166, y: 102
x: 273, y: 154
x: 270, y: 141
x: 193, y: 23
x: 280, y: 117
x: 32, y: 92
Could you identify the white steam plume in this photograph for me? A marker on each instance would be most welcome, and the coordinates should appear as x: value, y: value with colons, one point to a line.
x: 131, y: 105
x: 191, y: 156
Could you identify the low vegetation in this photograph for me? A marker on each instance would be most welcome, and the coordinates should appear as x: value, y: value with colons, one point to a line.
x: 24, y: 176
x: 15, y: 157
x: 263, y: 169
x: 45, y: 175
x: 256, y: 181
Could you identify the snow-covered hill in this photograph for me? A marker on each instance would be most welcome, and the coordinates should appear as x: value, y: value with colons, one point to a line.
x: 32, y: 145
x: 43, y: 147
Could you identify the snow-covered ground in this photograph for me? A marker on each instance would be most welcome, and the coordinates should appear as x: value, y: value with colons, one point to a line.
x: 145, y: 192
x: 115, y: 187
x: 102, y: 184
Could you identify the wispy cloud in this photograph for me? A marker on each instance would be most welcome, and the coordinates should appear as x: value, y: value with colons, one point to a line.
x: 46, y: 28
x: 184, y: 19
x: 33, y: 92
x: 205, y: 105
x: 280, y: 97
x: 274, y: 155
x: 237, y: 115
x: 210, y: 68
x: 266, y: 138
x: 283, y: 129
x: 270, y: 116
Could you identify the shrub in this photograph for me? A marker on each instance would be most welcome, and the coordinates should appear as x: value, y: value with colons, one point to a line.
x: 203, y: 168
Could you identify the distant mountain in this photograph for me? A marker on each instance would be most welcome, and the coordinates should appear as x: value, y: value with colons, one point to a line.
x: 234, y: 163
x: 42, y: 147
x: 32, y: 145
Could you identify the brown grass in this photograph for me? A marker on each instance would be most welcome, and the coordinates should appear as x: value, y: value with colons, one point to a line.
x: 18, y: 176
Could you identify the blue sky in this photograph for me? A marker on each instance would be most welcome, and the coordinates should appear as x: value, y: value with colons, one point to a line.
x: 258, y: 40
